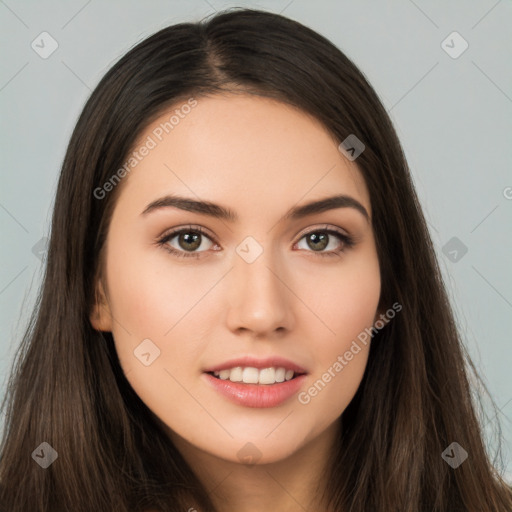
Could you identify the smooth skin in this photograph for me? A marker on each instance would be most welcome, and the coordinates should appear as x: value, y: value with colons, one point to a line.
x: 259, y: 158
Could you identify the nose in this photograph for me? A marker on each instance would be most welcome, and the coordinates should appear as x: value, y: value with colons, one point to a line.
x: 260, y: 300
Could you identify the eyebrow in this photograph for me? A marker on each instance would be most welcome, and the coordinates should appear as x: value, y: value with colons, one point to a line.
x: 221, y: 212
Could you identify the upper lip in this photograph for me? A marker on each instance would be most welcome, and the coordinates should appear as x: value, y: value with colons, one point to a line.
x: 254, y: 362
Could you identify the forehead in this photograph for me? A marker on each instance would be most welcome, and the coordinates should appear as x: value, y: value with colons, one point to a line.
x: 241, y: 149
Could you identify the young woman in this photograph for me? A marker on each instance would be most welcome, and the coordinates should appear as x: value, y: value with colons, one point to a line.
x: 242, y: 309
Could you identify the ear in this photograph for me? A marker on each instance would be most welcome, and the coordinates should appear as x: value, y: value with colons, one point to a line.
x: 100, y: 316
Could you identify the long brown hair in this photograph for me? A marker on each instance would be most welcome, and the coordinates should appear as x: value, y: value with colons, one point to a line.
x: 67, y: 387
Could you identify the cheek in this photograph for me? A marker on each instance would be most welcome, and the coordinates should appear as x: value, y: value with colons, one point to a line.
x: 150, y: 300
x: 344, y: 300
x: 151, y: 293
x: 340, y: 363
x: 348, y: 307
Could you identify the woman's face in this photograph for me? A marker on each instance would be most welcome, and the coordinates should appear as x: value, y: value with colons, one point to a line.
x: 261, y: 292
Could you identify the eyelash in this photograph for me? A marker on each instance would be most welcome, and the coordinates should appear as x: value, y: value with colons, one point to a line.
x: 347, y: 241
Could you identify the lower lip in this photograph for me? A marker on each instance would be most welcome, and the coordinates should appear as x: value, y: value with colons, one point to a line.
x: 256, y: 395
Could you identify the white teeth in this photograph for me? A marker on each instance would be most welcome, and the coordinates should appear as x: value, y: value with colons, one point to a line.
x: 224, y: 374
x: 236, y: 374
x: 251, y: 375
x: 280, y: 373
x: 267, y: 376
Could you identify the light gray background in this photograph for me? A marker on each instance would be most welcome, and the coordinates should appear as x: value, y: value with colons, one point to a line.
x: 453, y: 116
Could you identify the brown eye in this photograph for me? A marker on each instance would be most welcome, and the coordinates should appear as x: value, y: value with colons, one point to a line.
x: 317, y: 241
x: 189, y: 240
x: 186, y: 242
x: 321, y: 239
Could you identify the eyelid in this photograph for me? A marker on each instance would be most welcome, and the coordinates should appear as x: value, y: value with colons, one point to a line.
x: 322, y: 227
x: 187, y: 227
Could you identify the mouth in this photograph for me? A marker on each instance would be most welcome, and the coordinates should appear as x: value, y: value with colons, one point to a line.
x: 257, y: 383
x: 251, y: 375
